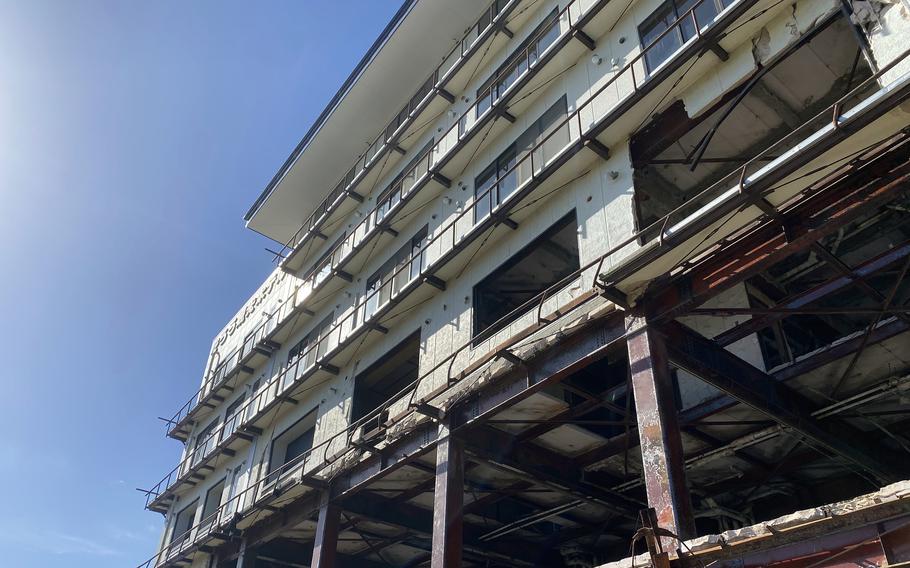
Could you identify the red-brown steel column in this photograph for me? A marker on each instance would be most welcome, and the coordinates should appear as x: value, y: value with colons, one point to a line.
x: 658, y: 430
x: 448, y: 501
x: 325, y: 546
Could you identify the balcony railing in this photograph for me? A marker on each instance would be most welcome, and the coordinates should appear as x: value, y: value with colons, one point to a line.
x: 526, y: 168
x: 410, y: 182
x: 437, y: 80
x: 228, y: 368
x: 210, y: 446
x: 319, y: 457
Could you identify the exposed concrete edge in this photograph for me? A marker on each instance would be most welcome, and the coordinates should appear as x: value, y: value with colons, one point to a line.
x: 832, y: 518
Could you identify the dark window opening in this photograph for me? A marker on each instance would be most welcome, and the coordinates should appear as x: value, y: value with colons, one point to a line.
x: 213, y: 500
x: 184, y: 521
x: 292, y: 443
x: 394, y: 274
x: 498, y: 180
x: 527, y: 53
x: 548, y: 259
x: 387, y: 377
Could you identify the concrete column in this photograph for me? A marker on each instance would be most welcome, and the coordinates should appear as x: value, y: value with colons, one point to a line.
x: 658, y: 429
x: 325, y: 546
x: 448, y: 501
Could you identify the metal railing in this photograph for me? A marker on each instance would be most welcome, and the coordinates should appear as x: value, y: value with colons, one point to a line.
x: 245, y: 501
x: 437, y: 79
x: 219, y: 376
x: 372, y: 223
x: 525, y: 168
x: 198, y: 456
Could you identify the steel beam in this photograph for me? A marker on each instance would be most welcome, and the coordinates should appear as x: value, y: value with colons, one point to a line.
x: 662, y: 457
x: 419, y: 521
x: 727, y: 372
x: 325, y: 545
x: 858, y: 192
x: 544, y: 467
x: 800, y: 301
x: 448, y: 501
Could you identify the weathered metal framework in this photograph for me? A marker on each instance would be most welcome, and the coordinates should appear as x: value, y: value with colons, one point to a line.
x: 571, y: 441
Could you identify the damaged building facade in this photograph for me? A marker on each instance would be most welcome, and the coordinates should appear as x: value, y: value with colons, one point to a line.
x: 575, y: 283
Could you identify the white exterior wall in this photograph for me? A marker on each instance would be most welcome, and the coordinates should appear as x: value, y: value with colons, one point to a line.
x: 602, y: 199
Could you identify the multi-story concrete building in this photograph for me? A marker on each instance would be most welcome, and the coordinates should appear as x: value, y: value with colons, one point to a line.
x: 549, y: 264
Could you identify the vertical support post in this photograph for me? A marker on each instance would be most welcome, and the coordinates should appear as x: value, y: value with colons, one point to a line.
x: 658, y: 429
x: 245, y: 559
x: 448, y: 500
x: 326, y: 544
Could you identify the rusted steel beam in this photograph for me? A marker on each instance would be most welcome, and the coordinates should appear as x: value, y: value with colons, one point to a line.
x: 539, y: 465
x: 552, y: 365
x: 397, y: 455
x: 325, y: 545
x: 448, y: 501
x: 727, y: 372
x: 801, y: 367
x: 828, y: 209
x: 661, y: 445
x: 842, y: 349
x: 800, y: 301
x: 419, y: 521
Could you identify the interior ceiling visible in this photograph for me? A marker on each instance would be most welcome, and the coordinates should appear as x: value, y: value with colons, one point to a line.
x: 792, y: 92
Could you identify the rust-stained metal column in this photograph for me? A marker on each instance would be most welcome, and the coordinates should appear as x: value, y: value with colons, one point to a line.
x: 658, y: 430
x: 448, y: 501
x: 326, y: 544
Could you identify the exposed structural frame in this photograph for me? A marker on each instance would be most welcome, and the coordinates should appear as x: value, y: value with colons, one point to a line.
x: 445, y: 436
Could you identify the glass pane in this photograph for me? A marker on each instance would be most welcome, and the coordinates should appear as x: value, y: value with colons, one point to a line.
x: 705, y: 13
x: 658, y: 50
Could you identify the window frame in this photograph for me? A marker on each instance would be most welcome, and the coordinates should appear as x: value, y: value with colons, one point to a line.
x: 494, y: 174
x: 672, y: 9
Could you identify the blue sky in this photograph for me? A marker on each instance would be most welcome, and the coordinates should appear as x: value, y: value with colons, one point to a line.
x: 133, y: 137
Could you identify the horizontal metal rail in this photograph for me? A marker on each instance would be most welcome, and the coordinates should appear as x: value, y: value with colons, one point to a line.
x: 530, y: 164
x: 460, y: 53
x: 421, y: 173
x: 245, y: 502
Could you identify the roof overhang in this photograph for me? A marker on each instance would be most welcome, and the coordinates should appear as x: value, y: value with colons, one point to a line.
x: 417, y: 39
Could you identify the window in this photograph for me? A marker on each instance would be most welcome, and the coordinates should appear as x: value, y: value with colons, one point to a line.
x: 322, y: 268
x: 525, y: 54
x: 184, y: 521
x: 386, y: 377
x: 234, y: 502
x: 548, y: 259
x: 205, y: 442
x: 498, y: 180
x: 212, y: 500
x: 664, y: 17
x: 392, y: 276
x: 304, y: 354
x: 232, y: 418
x: 292, y: 443
x: 403, y: 183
